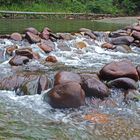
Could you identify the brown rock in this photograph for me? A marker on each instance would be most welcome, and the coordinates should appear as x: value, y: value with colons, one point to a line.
x: 107, y: 46
x: 16, y: 36
x: 24, y: 52
x: 10, y: 49
x: 46, y: 48
x: 65, y: 76
x: 31, y: 30
x: 66, y: 36
x: 32, y: 38
x: 51, y: 59
x: 90, y: 34
x: 119, y: 69
x: 66, y: 95
x: 124, y: 82
x: 80, y: 45
x: 95, y: 88
x: 136, y: 35
x: 45, y: 33
x: 18, y: 60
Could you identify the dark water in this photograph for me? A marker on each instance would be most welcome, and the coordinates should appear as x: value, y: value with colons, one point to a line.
x: 18, y: 25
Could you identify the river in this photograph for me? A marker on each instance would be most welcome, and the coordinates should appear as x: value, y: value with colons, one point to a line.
x: 30, y: 118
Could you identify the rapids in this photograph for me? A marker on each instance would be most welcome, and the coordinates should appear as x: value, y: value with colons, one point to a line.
x: 30, y: 118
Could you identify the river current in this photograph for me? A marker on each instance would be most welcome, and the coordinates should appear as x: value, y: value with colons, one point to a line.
x: 30, y: 118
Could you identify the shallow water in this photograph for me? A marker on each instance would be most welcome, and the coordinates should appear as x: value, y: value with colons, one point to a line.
x: 30, y: 118
x: 8, y: 26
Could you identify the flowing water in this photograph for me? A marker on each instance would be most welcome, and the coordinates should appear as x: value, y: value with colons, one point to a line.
x: 30, y: 118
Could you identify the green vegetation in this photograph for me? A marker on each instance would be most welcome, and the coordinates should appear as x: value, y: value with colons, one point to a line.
x: 128, y: 7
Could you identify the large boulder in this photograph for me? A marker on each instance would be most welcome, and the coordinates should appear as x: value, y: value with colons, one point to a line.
x: 31, y: 30
x: 122, y: 40
x: 119, y: 69
x: 45, y: 34
x: 124, y: 83
x: 95, y: 88
x: 67, y: 95
x: 16, y: 36
x: 65, y: 76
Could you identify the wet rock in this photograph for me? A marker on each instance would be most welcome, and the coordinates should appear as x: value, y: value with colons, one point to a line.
x: 80, y: 45
x: 90, y: 42
x: 65, y: 76
x: 32, y: 38
x: 51, y: 59
x: 90, y: 34
x: 10, y: 49
x: 131, y: 95
x: 123, y: 48
x: 66, y: 36
x: 48, y: 43
x: 95, y: 88
x: 86, y: 76
x: 66, y: 95
x: 16, y: 36
x: 32, y: 30
x: 45, y: 34
x: 63, y: 46
x: 85, y: 30
x: 25, y: 83
x: 124, y: 83
x: 118, y: 33
x: 138, y: 70
x: 24, y: 52
x: 119, y: 69
x: 108, y: 46
x: 18, y: 60
x: 46, y: 48
x: 122, y: 40
x: 36, y: 55
x: 136, y: 35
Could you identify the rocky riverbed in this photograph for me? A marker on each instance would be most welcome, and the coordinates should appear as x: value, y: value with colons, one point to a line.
x: 86, y: 81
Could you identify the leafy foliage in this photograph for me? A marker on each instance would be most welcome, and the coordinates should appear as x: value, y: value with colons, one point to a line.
x: 96, y: 6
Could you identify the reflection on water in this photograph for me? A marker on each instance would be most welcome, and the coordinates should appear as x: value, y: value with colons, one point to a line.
x: 17, y: 25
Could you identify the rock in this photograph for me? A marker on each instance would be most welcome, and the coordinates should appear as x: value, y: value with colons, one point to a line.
x: 131, y: 95
x: 48, y: 43
x: 16, y: 36
x: 85, y: 30
x: 65, y: 76
x: 118, y: 33
x: 108, y: 46
x: 90, y: 34
x: 86, y: 76
x: 46, y: 48
x: 32, y: 30
x: 123, y: 49
x: 66, y: 95
x: 119, y: 69
x: 51, y: 59
x: 80, y: 45
x: 65, y: 36
x: 10, y: 49
x: 63, y: 46
x: 25, y: 83
x: 36, y: 55
x: 32, y: 38
x: 124, y: 82
x: 136, y: 35
x: 24, y: 52
x: 95, y: 88
x: 45, y: 33
x: 122, y: 40
x: 18, y: 60
x: 138, y: 70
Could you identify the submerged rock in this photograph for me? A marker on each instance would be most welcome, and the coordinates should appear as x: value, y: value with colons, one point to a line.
x: 119, y: 69
x: 66, y: 95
